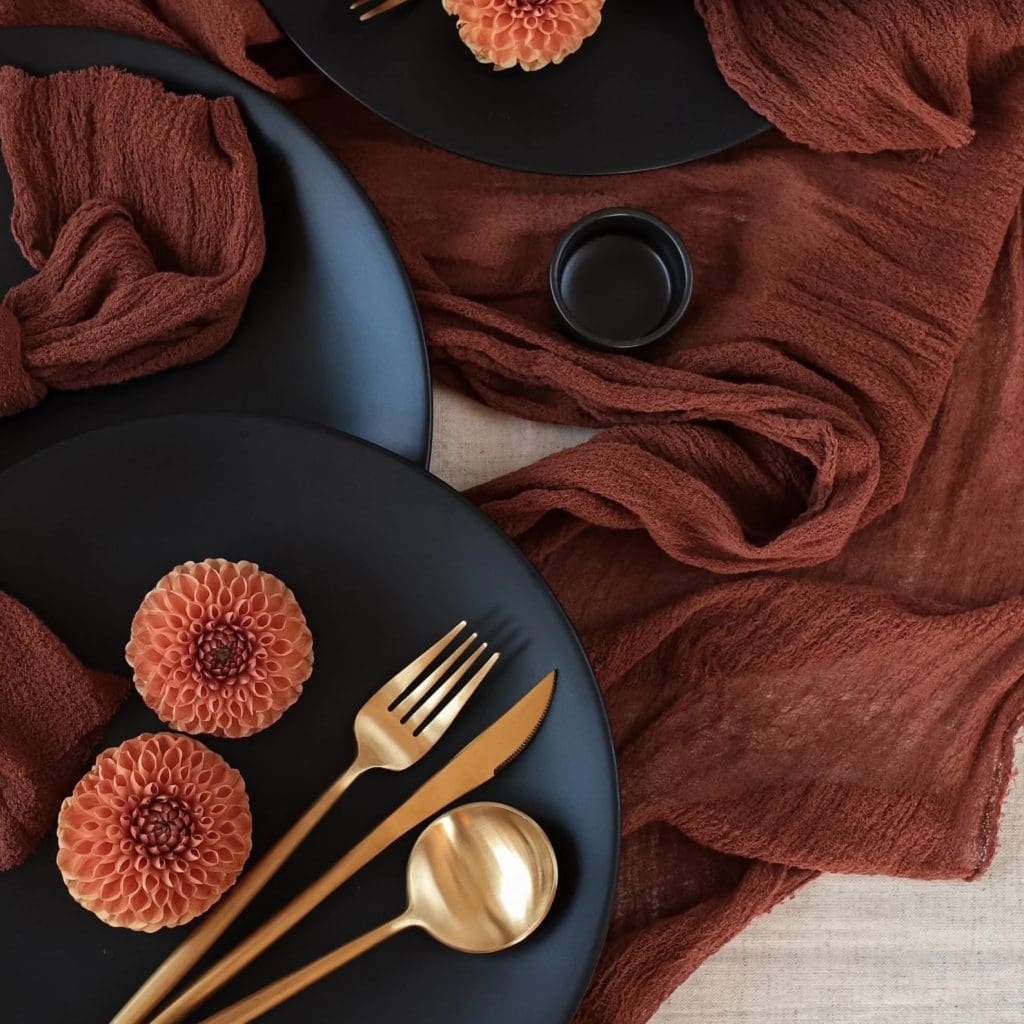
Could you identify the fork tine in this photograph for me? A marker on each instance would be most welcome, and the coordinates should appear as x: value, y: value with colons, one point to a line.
x: 421, y: 713
x: 410, y: 700
x: 386, y: 6
x: 359, y: 3
x: 398, y: 684
x: 438, y: 726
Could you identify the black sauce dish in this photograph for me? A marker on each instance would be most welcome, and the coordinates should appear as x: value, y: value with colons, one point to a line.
x: 620, y: 280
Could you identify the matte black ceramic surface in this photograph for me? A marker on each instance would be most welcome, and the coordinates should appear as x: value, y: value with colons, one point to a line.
x: 330, y: 334
x: 643, y: 92
x: 383, y: 559
x: 620, y: 279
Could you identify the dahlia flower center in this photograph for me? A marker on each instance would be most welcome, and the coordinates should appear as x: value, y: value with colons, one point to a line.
x: 162, y: 826
x: 522, y: 8
x: 223, y: 653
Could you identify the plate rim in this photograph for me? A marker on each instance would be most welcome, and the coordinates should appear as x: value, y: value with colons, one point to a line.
x: 255, y: 95
x: 512, y: 165
x: 443, y: 487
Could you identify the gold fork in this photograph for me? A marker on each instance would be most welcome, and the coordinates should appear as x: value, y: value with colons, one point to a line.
x: 394, y: 729
x: 387, y: 5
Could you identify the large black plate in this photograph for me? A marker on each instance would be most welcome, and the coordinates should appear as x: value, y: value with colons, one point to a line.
x: 643, y: 92
x: 383, y: 558
x: 331, y: 333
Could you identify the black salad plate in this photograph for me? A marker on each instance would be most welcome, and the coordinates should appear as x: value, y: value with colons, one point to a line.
x: 643, y: 92
x: 383, y: 559
x: 330, y: 334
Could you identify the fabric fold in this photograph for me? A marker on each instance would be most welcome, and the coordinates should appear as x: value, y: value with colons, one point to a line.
x: 54, y: 713
x: 241, y: 36
x: 870, y: 77
x: 145, y: 250
x: 18, y: 391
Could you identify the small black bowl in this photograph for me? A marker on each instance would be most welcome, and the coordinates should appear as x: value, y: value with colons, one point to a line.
x: 620, y: 279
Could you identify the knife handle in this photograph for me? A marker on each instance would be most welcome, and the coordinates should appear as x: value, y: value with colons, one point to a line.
x: 156, y: 987
x: 266, y: 935
x: 431, y: 797
x: 272, y: 995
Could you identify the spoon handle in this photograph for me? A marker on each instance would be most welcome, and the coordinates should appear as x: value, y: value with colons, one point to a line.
x: 152, y: 992
x: 284, y: 988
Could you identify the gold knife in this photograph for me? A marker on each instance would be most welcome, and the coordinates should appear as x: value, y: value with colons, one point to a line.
x: 475, y: 764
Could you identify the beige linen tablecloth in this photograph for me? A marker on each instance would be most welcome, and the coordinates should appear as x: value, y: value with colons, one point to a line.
x: 847, y: 950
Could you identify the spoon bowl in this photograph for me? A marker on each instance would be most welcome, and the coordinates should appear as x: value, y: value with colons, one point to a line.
x: 481, y: 878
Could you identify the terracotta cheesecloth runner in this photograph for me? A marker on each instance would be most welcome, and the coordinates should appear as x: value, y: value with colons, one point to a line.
x: 792, y: 551
x: 141, y: 213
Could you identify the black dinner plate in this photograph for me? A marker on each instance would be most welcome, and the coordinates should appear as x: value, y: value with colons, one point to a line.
x: 331, y: 333
x: 383, y: 558
x: 643, y: 92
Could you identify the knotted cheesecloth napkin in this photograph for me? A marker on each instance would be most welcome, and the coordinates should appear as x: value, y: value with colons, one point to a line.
x: 792, y: 551
x: 141, y: 213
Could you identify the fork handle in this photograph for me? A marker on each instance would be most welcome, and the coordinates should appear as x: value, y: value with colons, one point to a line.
x: 266, y: 998
x: 205, y: 934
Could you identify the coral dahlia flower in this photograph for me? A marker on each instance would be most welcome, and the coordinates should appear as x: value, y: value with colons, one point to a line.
x: 530, y: 33
x: 220, y: 647
x: 155, y: 834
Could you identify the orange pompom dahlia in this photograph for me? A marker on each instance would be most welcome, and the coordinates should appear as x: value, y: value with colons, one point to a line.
x: 155, y: 834
x: 530, y: 33
x: 220, y: 647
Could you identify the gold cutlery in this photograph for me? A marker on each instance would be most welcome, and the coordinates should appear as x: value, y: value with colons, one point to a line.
x: 392, y: 732
x: 480, y: 878
x: 386, y: 5
x: 477, y: 762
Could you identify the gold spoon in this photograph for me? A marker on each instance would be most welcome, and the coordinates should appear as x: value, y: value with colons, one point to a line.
x: 480, y: 879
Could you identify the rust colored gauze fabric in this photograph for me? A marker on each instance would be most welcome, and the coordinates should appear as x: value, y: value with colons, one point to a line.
x: 52, y: 714
x: 792, y: 548
x: 141, y: 213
